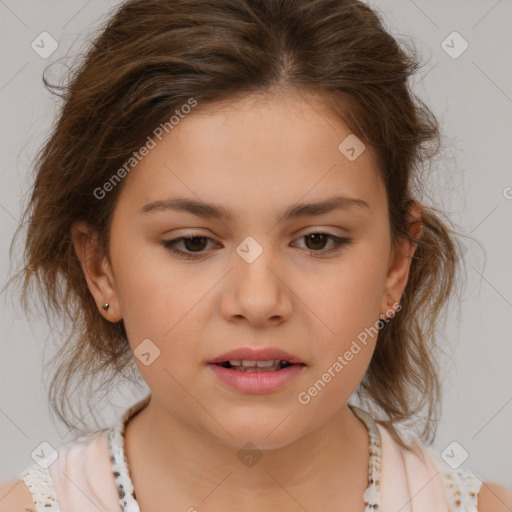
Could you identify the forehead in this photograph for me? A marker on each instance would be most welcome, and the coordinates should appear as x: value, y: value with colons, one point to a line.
x: 255, y: 153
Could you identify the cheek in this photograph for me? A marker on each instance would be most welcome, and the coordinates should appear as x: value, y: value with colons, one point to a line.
x: 347, y: 308
x: 346, y: 320
x: 161, y: 324
x: 154, y: 295
x: 345, y: 298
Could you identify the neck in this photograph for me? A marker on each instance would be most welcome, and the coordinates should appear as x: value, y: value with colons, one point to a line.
x: 193, y: 465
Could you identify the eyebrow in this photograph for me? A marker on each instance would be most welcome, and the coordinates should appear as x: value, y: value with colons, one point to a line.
x: 213, y: 211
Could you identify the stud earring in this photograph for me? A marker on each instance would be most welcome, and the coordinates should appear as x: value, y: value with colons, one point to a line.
x: 106, y: 306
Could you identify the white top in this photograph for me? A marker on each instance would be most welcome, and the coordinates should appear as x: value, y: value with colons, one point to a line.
x: 91, y: 475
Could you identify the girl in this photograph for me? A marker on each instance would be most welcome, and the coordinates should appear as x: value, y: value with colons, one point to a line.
x: 228, y: 209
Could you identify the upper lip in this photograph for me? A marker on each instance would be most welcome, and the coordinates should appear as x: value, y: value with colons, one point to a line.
x: 260, y: 354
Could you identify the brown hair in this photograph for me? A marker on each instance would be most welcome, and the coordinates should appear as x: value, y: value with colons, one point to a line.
x: 149, y: 59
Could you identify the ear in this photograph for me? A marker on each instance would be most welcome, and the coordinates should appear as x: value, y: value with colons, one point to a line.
x: 400, y: 262
x: 97, y: 269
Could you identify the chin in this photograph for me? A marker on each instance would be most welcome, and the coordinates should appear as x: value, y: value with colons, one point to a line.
x: 269, y: 434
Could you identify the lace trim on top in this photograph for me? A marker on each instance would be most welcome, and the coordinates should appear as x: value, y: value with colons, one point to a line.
x: 127, y: 498
x: 126, y: 492
x: 461, y: 484
x: 39, y: 481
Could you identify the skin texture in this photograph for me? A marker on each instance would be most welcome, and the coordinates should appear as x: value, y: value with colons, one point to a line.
x: 255, y: 157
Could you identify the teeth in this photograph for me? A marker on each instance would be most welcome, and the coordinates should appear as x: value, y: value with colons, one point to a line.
x: 257, y: 366
x: 264, y: 364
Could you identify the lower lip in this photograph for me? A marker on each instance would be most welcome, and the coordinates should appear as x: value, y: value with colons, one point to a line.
x: 256, y: 382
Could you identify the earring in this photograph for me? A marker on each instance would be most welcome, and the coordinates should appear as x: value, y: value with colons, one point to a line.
x: 105, y: 307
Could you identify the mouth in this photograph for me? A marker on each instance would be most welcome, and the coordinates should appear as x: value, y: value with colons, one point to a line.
x: 262, y: 359
x: 248, y: 366
x: 256, y: 376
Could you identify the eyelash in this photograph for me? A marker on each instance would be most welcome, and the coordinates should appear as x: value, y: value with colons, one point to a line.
x: 339, y: 242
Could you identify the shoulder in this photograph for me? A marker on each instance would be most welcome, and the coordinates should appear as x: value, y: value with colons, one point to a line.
x: 82, y: 458
x: 494, y: 498
x: 462, y: 486
x: 487, y: 496
x: 15, y: 496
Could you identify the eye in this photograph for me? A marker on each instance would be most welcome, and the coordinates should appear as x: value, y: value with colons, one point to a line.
x: 318, y: 240
x: 195, y: 245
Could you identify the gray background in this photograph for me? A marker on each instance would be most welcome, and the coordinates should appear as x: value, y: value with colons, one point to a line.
x: 472, y: 98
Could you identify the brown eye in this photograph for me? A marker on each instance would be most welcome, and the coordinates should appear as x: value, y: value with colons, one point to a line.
x: 318, y: 240
x: 193, y: 245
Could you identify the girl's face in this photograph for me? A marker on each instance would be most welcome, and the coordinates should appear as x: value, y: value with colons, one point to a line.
x: 255, y: 277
